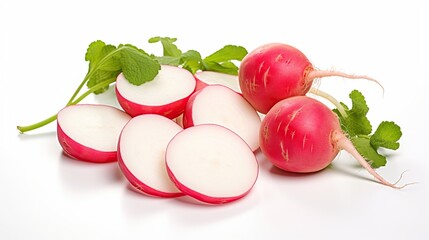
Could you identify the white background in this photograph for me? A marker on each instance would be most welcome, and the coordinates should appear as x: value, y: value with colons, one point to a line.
x: 45, y: 195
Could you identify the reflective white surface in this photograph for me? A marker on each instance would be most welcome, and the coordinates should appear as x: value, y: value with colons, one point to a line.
x: 46, y: 195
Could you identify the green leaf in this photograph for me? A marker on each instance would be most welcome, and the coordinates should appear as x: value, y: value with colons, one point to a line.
x: 192, y: 61
x: 169, y: 48
x: 97, y: 51
x: 101, y: 76
x: 137, y: 66
x: 225, y: 67
x: 168, y: 60
x: 359, y: 105
x: 227, y: 53
x: 357, y: 127
x: 362, y: 144
x: 221, y: 60
x: 387, y: 135
x: 356, y: 122
x: 103, y: 64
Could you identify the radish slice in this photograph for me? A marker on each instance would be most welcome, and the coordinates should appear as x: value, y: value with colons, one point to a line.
x: 165, y: 95
x: 90, y: 132
x: 206, y: 78
x: 141, y: 154
x: 220, y: 105
x: 211, y: 163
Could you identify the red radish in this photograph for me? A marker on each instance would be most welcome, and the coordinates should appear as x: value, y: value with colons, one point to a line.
x: 90, y: 132
x: 165, y: 95
x: 211, y: 163
x: 277, y: 71
x: 141, y: 154
x: 205, y: 78
x: 220, y: 105
x: 301, y: 134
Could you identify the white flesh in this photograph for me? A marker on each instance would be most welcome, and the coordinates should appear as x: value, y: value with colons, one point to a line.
x: 220, y: 105
x: 94, y: 126
x: 170, y: 85
x: 227, y: 80
x: 142, y: 147
x: 212, y: 161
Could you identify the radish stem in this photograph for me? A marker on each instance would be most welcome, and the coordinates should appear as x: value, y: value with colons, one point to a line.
x: 331, y: 99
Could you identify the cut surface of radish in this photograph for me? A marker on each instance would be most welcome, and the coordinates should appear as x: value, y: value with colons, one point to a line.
x: 211, y: 163
x: 205, y: 78
x: 141, y: 154
x: 90, y: 132
x: 217, y: 104
x: 165, y: 95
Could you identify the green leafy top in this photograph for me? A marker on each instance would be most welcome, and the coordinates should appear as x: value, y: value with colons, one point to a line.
x: 358, y: 128
x: 107, y: 61
x: 219, y: 61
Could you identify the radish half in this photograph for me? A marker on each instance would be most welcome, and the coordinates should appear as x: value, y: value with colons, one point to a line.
x: 206, y: 78
x: 90, y: 132
x: 141, y: 154
x: 220, y: 105
x: 165, y: 95
x: 211, y: 163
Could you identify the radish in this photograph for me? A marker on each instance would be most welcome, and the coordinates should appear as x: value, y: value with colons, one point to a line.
x: 141, y: 151
x: 277, y: 71
x: 211, y: 163
x: 301, y: 134
x: 205, y: 78
x: 220, y: 105
x: 165, y: 95
x: 90, y: 132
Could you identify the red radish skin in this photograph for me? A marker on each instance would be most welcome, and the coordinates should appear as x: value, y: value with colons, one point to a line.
x: 165, y: 95
x: 277, y: 71
x: 141, y: 150
x: 73, y: 145
x: 302, y: 135
x: 78, y: 151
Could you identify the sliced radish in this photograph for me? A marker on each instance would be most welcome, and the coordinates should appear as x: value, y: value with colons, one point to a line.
x: 206, y: 78
x: 90, y: 132
x: 220, y: 105
x: 141, y: 154
x: 211, y: 163
x: 165, y: 95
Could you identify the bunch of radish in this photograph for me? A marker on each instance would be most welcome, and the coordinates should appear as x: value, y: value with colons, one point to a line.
x: 196, y: 134
x: 298, y: 133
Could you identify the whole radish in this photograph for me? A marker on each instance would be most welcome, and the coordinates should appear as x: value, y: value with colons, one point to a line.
x: 300, y: 134
x: 277, y: 71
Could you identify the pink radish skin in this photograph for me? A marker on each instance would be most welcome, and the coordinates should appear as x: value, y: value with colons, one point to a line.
x: 81, y: 128
x: 217, y: 104
x: 277, y: 71
x: 211, y: 164
x: 141, y: 151
x: 165, y: 95
x: 302, y: 135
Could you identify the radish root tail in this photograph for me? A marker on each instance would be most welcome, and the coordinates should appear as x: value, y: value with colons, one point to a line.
x: 344, y: 143
x: 331, y: 73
